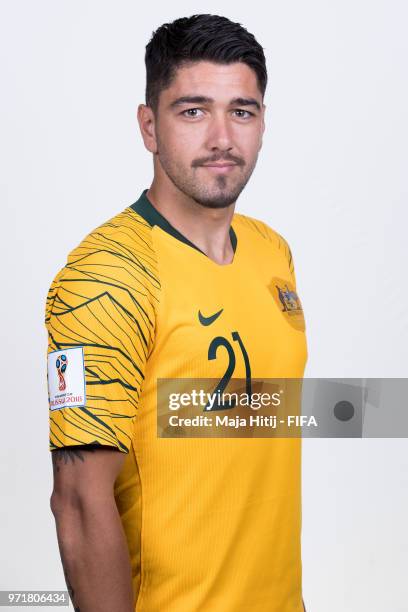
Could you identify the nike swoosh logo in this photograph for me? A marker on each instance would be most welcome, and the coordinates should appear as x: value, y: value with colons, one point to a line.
x: 208, y: 320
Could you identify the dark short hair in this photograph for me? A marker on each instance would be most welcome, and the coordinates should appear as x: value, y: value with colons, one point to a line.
x: 199, y: 38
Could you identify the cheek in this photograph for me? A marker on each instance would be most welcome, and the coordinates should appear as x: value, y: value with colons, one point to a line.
x: 190, y: 137
x: 180, y: 141
x: 248, y: 139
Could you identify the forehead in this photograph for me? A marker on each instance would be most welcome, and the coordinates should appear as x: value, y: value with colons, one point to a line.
x: 217, y: 81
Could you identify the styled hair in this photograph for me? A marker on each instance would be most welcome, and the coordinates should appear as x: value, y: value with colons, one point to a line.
x: 199, y: 38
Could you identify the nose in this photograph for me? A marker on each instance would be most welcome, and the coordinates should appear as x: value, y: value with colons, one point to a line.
x: 219, y: 135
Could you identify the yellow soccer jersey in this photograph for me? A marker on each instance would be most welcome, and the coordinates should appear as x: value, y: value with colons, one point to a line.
x: 212, y: 524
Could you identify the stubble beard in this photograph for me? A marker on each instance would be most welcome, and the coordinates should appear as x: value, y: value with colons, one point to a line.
x: 216, y: 192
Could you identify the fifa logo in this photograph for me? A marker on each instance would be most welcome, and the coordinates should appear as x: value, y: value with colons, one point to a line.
x: 61, y: 365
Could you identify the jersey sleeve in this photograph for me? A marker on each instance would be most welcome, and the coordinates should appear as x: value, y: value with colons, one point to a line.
x: 275, y: 238
x: 100, y: 320
x: 283, y: 244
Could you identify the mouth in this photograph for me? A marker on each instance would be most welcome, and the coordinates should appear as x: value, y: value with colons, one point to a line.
x: 220, y: 168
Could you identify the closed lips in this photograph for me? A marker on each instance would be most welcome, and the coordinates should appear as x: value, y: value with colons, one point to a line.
x: 220, y: 165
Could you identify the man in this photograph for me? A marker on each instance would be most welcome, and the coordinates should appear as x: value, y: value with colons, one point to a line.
x: 175, y: 286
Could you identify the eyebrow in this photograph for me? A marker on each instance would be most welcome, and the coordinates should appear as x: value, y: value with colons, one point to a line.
x: 207, y: 100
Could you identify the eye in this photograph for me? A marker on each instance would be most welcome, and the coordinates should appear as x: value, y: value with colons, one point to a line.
x: 243, y: 114
x: 192, y: 112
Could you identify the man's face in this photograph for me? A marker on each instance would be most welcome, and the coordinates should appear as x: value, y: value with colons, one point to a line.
x: 208, y: 129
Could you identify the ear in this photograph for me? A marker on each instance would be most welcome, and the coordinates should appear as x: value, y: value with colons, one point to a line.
x: 262, y: 125
x: 146, y: 119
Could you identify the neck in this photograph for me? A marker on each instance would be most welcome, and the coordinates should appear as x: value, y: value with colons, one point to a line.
x: 207, y: 228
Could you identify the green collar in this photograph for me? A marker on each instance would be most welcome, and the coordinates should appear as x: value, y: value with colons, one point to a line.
x: 145, y: 209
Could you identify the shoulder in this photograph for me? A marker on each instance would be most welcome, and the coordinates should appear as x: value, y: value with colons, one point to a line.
x: 126, y: 236
x: 115, y: 261
x: 267, y: 233
x: 120, y: 246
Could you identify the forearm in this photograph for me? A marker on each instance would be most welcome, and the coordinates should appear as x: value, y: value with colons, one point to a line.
x: 95, y: 556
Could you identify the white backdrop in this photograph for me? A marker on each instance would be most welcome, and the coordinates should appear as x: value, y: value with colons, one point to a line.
x: 331, y: 178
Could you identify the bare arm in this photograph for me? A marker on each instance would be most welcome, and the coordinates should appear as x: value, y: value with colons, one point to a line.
x: 91, y: 540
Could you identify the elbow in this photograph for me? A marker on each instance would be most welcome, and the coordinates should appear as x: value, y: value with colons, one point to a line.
x: 74, y: 503
x: 55, y: 504
x: 69, y: 522
x: 58, y: 504
x: 64, y: 503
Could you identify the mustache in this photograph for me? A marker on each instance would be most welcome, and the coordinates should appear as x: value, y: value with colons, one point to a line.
x: 216, y: 158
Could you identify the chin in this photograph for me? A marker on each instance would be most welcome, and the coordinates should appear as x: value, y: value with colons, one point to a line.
x: 217, y: 198
x: 215, y: 201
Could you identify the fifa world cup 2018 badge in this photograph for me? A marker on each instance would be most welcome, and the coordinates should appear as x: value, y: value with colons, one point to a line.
x: 61, y: 365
